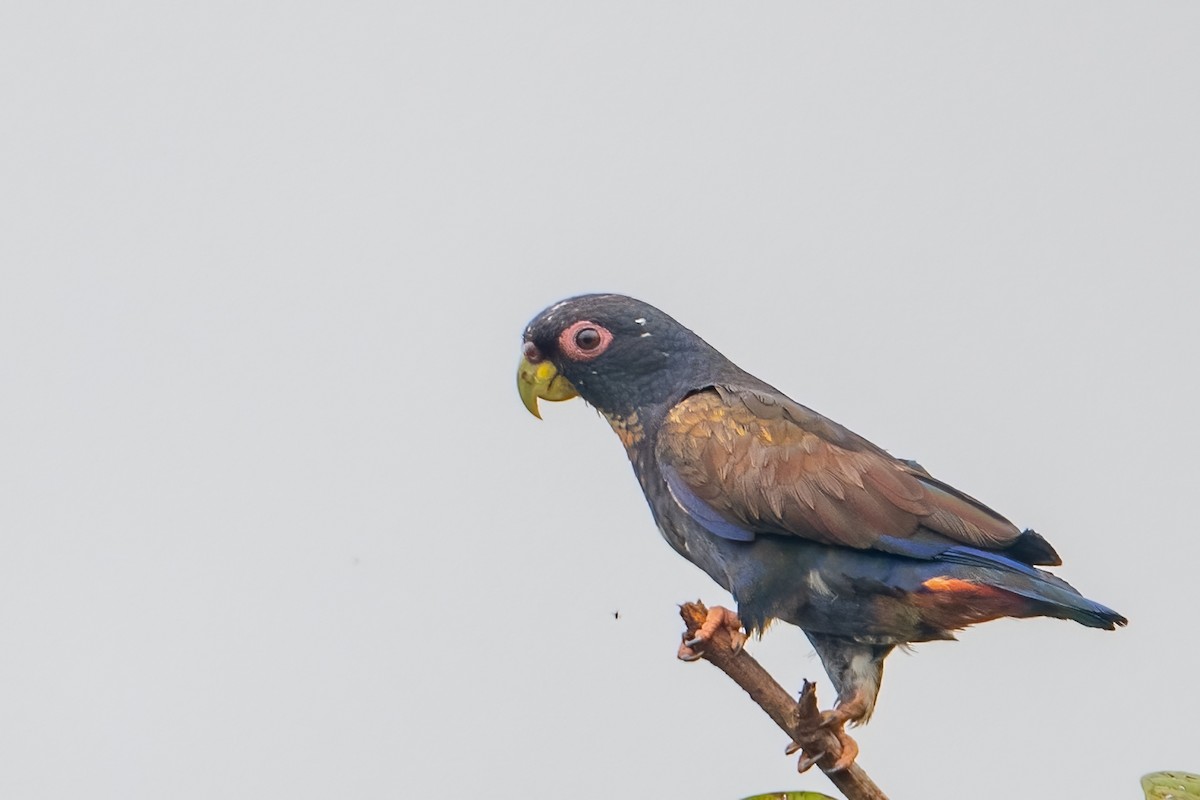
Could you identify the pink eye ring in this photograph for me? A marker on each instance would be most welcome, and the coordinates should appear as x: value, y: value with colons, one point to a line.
x: 584, y: 340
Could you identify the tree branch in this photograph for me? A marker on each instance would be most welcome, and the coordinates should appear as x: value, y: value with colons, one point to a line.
x: 799, y: 720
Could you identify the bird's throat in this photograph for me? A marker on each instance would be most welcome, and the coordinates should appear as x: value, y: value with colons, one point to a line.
x: 628, y: 429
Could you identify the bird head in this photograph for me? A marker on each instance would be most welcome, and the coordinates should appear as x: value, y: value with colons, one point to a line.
x: 619, y: 354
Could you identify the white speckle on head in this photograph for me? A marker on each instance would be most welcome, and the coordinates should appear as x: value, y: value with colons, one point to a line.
x: 552, y: 312
x: 818, y: 584
x: 644, y: 335
x: 640, y: 321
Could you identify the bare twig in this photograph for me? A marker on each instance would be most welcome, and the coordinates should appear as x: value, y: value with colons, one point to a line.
x: 799, y: 720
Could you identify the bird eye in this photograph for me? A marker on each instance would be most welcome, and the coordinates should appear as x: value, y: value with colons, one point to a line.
x: 584, y: 340
x: 587, y: 339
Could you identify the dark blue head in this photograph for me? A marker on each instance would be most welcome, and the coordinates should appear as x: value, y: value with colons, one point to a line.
x: 619, y: 354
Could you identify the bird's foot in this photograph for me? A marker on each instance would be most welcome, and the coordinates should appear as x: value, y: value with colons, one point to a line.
x: 821, y: 735
x: 835, y: 721
x: 718, y: 617
x: 809, y: 755
x: 807, y: 758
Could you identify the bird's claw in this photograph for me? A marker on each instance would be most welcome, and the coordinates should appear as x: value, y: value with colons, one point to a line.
x: 835, y: 720
x: 849, y: 751
x: 830, y: 718
x: 718, y: 617
x: 807, y: 761
x: 738, y: 641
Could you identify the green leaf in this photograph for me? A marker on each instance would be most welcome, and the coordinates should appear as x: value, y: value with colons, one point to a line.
x: 792, y: 796
x: 1171, y: 786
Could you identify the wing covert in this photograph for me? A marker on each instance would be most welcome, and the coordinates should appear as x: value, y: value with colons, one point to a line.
x: 766, y: 464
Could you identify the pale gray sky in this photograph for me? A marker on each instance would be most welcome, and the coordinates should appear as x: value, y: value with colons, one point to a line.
x: 275, y: 524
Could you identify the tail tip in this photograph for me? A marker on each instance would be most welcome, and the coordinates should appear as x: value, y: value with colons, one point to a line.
x: 1106, y: 618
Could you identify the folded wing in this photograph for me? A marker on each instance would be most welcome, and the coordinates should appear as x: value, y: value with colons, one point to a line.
x: 756, y: 462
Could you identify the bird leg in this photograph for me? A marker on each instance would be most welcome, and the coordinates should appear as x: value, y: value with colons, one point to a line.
x: 856, y: 670
x: 718, y: 617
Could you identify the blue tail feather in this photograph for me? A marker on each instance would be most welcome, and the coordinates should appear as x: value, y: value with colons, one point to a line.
x: 1063, y: 599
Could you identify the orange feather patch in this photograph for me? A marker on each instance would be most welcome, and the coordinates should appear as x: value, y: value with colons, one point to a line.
x: 944, y: 584
x: 951, y: 604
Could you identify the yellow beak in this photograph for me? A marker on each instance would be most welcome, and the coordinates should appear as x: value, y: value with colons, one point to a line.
x: 541, y: 380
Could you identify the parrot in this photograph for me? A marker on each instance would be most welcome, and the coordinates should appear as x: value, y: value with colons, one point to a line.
x: 799, y: 518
